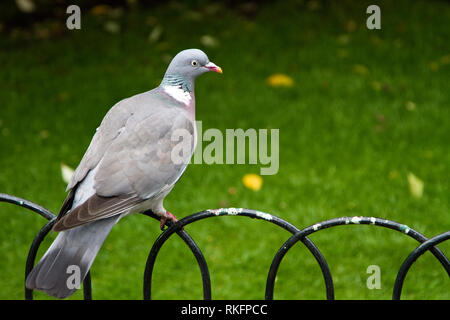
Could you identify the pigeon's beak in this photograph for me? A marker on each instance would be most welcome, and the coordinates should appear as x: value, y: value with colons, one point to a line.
x: 212, y: 67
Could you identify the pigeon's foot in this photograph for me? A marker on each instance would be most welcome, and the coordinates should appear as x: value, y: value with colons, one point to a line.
x: 167, y: 217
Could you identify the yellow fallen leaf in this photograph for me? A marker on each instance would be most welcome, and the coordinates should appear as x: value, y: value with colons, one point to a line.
x: 361, y: 69
x: 410, y: 106
x: 415, y: 185
x: 112, y: 27
x: 209, y: 41
x: 252, y: 181
x: 44, y: 134
x: 376, y: 85
x: 445, y: 59
x: 343, y: 39
x: 66, y: 172
x: 280, y: 80
x: 434, y: 66
x: 100, y: 9
x: 26, y: 6
x: 351, y: 26
x: 156, y: 34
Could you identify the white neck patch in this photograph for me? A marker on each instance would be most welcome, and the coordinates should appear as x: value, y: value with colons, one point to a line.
x: 178, y: 94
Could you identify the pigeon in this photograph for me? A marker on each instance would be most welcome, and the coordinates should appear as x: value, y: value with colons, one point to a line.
x: 140, y: 150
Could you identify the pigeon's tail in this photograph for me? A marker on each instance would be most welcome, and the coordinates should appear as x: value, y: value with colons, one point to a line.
x: 66, y: 263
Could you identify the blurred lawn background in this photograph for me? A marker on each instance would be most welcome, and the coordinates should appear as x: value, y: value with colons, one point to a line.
x: 366, y: 108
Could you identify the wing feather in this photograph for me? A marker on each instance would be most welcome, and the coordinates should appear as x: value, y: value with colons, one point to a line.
x: 96, y: 208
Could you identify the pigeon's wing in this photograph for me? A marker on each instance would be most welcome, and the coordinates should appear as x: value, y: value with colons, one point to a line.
x: 145, y: 160
x: 95, y: 208
x: 109, y: 129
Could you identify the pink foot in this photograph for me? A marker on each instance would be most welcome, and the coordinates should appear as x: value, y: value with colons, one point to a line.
x: 167, y: 216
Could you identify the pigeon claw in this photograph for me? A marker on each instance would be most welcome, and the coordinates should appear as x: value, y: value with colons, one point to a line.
x: 167, y: 217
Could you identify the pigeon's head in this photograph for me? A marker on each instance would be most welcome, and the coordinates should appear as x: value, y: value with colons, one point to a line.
x: 191, y: 63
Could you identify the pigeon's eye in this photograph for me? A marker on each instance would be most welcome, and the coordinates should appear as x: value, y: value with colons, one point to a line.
x: 194, y: 63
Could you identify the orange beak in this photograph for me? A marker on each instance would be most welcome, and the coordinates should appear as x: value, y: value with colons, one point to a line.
x: 212, y: 67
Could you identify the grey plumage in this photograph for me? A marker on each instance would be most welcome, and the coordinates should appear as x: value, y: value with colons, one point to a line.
x: 137, y: 163
x: 127, y: 168
x: 75, y: 247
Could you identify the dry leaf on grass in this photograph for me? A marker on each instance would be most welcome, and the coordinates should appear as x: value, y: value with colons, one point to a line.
x: 280, y: 80
x: 66, y: 172
x: 252, y: 181
x: 415, y: 185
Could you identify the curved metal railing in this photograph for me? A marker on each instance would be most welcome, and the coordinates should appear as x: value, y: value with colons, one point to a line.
x: 297, y: 235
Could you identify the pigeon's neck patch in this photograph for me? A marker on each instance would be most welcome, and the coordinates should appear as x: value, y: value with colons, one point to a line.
x: 177, y: 81
x: 177, y: 87
x: 178, y: 94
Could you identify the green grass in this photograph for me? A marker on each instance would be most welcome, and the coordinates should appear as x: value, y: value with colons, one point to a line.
x: 347, y: 143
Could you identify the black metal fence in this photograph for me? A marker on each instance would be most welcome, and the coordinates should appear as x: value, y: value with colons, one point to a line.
x: 297, y: 235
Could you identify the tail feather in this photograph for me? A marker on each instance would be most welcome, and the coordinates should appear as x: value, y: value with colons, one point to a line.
x: 74, y: 247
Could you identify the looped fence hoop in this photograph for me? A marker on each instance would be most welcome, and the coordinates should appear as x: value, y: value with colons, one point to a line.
x: 176, y: 227
x: 297, y: 235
